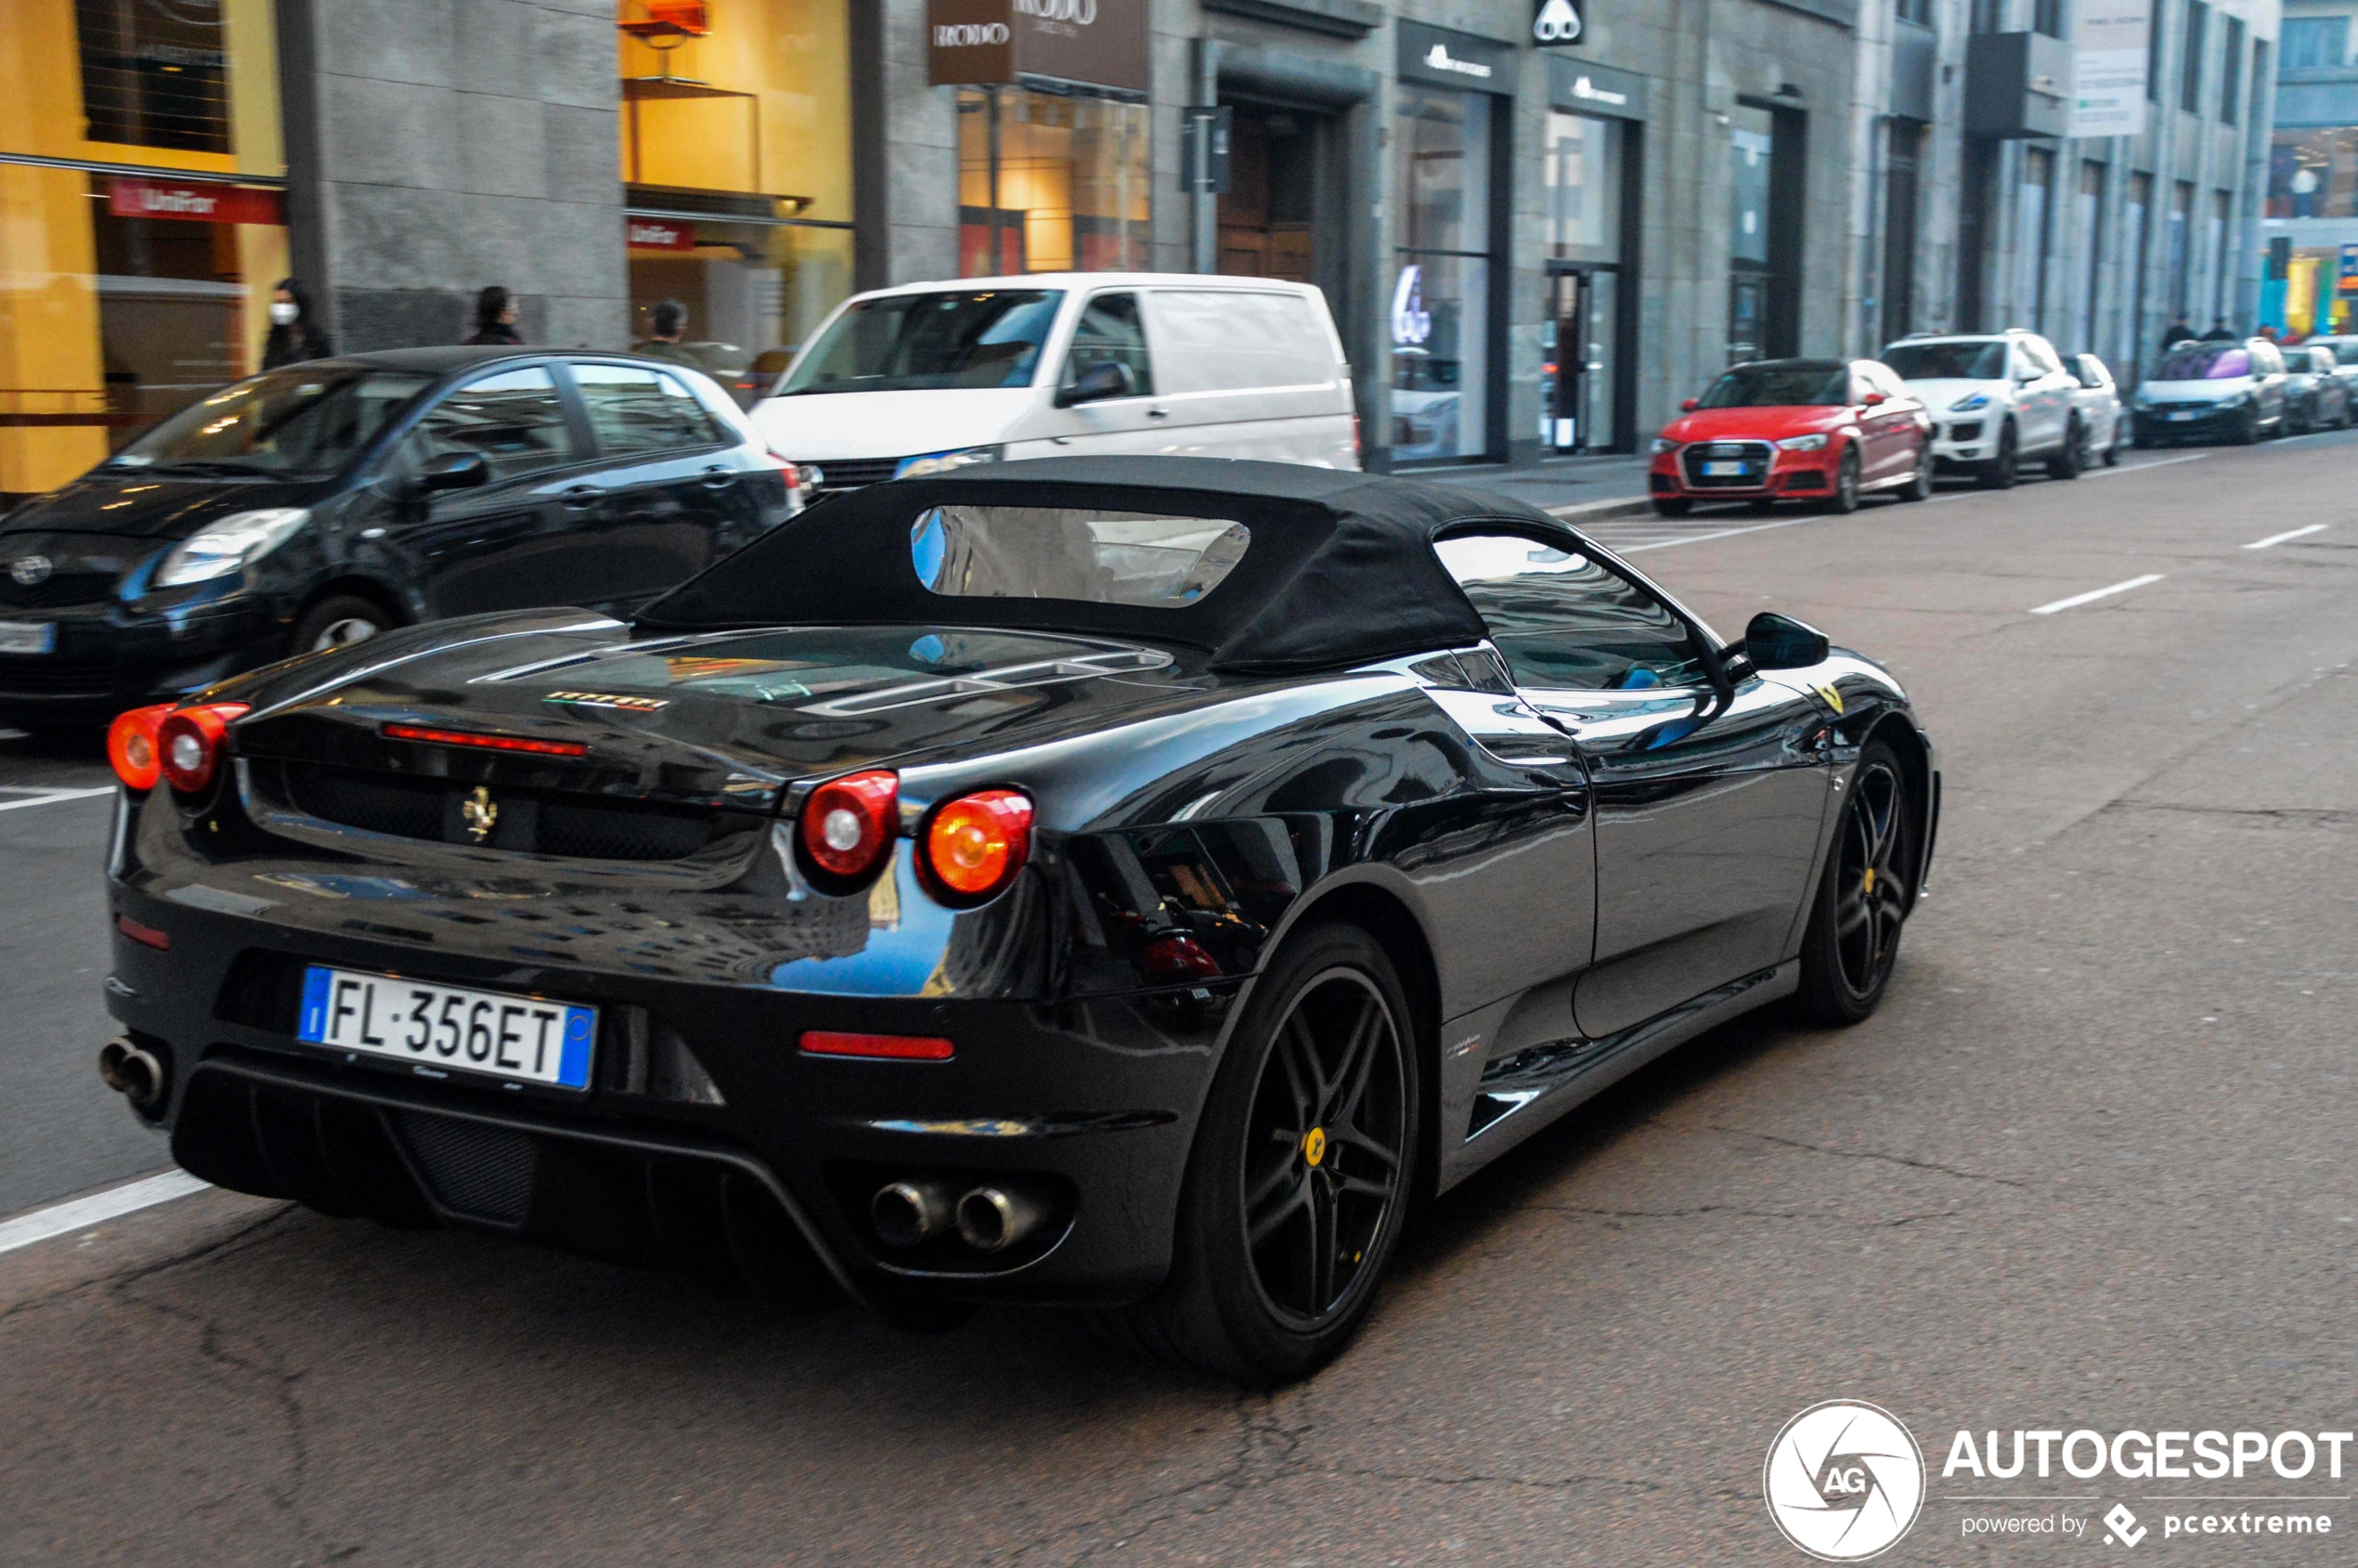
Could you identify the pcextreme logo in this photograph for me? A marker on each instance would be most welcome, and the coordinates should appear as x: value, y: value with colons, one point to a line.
x: 1843, y: 1481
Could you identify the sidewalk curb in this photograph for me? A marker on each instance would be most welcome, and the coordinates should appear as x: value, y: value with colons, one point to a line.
x: 1602, y: 511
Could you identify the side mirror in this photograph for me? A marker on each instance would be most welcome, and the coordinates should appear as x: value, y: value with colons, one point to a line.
x: 1107, y: 379
x: 1871, y: 399
x: 1690, y: 404
x: 1775, y: 642
x: 454, y: 470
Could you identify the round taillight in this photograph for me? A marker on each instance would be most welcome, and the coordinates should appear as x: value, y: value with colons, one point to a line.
x: 132, y: 746
x: 977, y: 843
x: 189, y: 743
x: 848, y: 823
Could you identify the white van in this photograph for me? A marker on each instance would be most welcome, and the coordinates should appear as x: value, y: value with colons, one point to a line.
x: 934, y: 375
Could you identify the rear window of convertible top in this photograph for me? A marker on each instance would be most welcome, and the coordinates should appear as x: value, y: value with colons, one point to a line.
x: 1144, y: 560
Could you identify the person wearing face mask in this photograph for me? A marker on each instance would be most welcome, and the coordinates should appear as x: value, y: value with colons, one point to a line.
x: 296, y: 334
x: 495, y: 318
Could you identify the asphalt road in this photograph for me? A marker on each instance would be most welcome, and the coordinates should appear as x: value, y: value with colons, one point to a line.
x: 2088, y: 1168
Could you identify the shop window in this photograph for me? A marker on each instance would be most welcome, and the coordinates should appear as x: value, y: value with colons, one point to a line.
x: 1441, y: 302
x: 1050, y: 183
x: 1764, y: 233
x: 2316, y: 42
x: 124, y: 298
x: 736, y: 154
x: 2230, y: 73
x: 2313, y: 174
x: 2190, y: 57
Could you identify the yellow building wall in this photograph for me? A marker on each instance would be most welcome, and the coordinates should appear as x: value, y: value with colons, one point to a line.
x: 790, y: 59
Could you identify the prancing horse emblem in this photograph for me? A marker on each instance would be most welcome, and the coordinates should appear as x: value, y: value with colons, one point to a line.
x: 480, y: 813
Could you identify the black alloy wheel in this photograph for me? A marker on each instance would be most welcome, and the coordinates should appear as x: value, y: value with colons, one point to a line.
x: 1919, y: 486
x: 2001, y: 471
x: 1298, y: 1186
x: 2071, y: 458
x: 1863, y: 895
x: 1845, y: 499
x: 338, y: 621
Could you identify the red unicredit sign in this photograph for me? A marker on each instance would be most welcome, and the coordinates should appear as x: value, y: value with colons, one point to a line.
x: 659, y: 234
x: 192, y: 202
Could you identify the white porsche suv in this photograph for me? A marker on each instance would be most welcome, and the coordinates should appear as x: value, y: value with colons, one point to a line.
x: 1997, y: 399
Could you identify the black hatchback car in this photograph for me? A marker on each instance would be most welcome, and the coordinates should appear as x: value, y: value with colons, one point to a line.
x: 318, y: 505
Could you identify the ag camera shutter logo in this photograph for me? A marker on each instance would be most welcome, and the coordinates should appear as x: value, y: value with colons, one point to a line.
x: 1844, y: 1480
x: 1557, y: 23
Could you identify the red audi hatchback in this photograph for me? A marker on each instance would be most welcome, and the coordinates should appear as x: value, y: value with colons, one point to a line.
x: 1822, y: 429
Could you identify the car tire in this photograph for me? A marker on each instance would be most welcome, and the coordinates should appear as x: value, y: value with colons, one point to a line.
x: 1856, y: 919
x: 2071, y: 458
x: 339, y: 621
x: 2248, y: 434
x: 1672, y: 506
x: 2001, y: 471
x: 1919, y: 486
x: 2112, y: 453
x: 1277, y: 1310
x: 1845, y: 499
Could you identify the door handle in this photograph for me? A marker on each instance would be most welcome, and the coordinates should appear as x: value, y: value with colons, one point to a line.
x: 1157, y: 413
x: 581, y: 497
x: 718, y: 478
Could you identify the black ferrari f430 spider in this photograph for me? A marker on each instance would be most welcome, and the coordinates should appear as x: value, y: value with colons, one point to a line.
x: 1123, y: 883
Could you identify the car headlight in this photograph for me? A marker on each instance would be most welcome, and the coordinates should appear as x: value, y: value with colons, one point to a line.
x: 229, y: 544
x: 2235, y: 400
x: 945, y: 462
x: 1802, y: 444
x: 1969, y: 402
x: 1663, y: 444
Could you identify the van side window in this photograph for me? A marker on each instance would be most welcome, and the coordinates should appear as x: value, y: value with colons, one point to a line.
x: 1110, y: 333
x: 1229, y: 340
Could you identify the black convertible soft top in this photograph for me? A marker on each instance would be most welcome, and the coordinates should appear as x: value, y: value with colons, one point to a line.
x: 1340, y: 571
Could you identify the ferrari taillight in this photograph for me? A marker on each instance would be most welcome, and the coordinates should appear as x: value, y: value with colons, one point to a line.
x: 977, y: 843
x: 189, y: 743
x: 848, y: 823
x: 132, y: 746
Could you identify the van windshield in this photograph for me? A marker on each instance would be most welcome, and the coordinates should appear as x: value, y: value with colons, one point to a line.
x: 921, y: 342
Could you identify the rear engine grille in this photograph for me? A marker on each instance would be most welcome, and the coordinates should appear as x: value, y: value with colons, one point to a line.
x: 530, y: 821
x: 66, y: 587
x: 850, y: 473
x: 1753, y: 457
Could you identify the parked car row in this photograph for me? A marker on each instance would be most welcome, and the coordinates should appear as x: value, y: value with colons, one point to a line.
x: 310, y: 508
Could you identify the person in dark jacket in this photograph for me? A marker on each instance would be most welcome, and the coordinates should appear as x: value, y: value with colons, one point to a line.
x: 495, y: 317
x: 2220, y: 331
x: 2178, y: 331
x: 295, y: 333
x: 665, y: 324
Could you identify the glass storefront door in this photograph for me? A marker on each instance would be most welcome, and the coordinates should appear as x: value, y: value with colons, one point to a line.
x: 1440, y: 297
x: 138, y: 253
x: 1582, y: 173
x: 1050, y: 182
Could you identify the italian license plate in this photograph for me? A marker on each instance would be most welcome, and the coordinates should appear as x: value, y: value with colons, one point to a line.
x: 1723, y: 471
x: 2182, y: 414
x: 523, y: 1038
x: 27, y: 637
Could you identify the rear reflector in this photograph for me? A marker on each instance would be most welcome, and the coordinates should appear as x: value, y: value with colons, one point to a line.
x: 881, y: 1047
x: 148, y: 936
x: 485, y: 742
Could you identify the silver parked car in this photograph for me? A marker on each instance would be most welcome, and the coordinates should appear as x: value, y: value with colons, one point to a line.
x: 2317, y: 394
x: 2103, y: 426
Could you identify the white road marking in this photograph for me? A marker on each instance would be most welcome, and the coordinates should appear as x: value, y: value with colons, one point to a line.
x: 97, y: 1209
x: 53, y: 797
x: 2289, y: 534
x: 2091, y: 597
x: 1725, y: 534
x: 2135, y: 467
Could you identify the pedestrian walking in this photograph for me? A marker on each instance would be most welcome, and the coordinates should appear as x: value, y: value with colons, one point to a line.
x: 496, y: 318
x: 2178, y: 331
x: 2220, y: 331
x: 296, y: 334
x: 666, y: 323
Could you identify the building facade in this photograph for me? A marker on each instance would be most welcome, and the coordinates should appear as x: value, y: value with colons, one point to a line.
x: 1541, y: 222
x: 2310, y: 231
x: 2091, y: 169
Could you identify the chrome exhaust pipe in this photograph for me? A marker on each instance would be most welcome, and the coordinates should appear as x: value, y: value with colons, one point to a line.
x: 908, y: 1213
x: 131, y: 1072
x: 991, y: 1219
